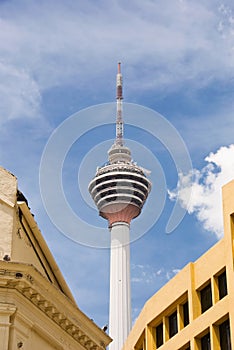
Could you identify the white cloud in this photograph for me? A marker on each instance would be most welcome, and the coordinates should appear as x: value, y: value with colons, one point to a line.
x: 205, y: 188
x: 55, y: 42
x: 159, y: 272
x: 20, y: 95
x: 147, y: 274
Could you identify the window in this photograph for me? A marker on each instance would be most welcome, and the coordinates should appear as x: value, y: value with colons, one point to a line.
x: 185, y: 314
x: 141, y: 345
x: 185, y: 347
x: 159, y: 335
x: 222, y: 283
x: 224, y: 336
x: 206, y: 298
x: 173, y: 326
x: 205, y: 342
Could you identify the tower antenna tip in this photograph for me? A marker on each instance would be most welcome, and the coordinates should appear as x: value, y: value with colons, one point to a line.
x: 119, y: 67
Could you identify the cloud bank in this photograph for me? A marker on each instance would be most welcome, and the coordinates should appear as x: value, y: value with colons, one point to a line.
x: 47, y: 44
x: 205, y: 188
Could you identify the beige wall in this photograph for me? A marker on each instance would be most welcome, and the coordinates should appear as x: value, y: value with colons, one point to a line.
x: 8, y: 188
x: 37, y: 309
x: 186, y: 285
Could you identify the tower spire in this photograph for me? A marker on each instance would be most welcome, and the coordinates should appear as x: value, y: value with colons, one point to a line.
x: 119, y: 113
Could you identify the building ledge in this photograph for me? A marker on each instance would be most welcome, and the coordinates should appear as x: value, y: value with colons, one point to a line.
x: 31, y: 284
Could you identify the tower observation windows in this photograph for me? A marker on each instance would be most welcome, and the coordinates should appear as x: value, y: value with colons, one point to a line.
x: 117, y: 182
x: 136, y: 201
x: 128, y: 176
x: 140, y: 187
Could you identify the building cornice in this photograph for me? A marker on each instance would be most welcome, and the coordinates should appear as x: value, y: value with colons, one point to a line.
x: 26, y: 280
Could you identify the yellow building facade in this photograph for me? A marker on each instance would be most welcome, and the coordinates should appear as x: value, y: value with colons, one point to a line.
x: 195, y: 309
x: 37, y: 309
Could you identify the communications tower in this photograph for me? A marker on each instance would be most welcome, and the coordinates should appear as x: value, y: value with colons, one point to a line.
x: 119, y: 190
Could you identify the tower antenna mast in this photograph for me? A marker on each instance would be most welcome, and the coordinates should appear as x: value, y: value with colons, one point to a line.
x: 119, y: 113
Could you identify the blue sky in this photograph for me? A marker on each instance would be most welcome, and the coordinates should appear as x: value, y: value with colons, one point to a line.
x: 58, y: 58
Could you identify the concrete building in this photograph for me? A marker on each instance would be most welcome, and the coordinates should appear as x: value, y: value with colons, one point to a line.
x: 119, y: 190
x: 37, y: 309
x: 194, y: 310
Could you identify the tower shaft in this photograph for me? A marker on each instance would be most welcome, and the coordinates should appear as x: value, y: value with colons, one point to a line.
x: 120, y: 290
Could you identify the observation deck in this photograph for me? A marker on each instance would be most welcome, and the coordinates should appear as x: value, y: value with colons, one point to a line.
x: 120, y: 187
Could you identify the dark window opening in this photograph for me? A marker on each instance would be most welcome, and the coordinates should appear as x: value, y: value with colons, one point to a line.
x: 222, y: 283
x: 206, y: 298
x: 205, y: 342
x: 159, y: 335
x: 224, y: 336
x: 173, y: 326
x: 139, y: 187
x: 187, y: 347
x: 141, y: 196
x: 136, y: 201
x: 185, y: 314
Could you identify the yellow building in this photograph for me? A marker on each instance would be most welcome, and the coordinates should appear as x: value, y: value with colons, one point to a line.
x: 37, y: 309
x: 194, y: 310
